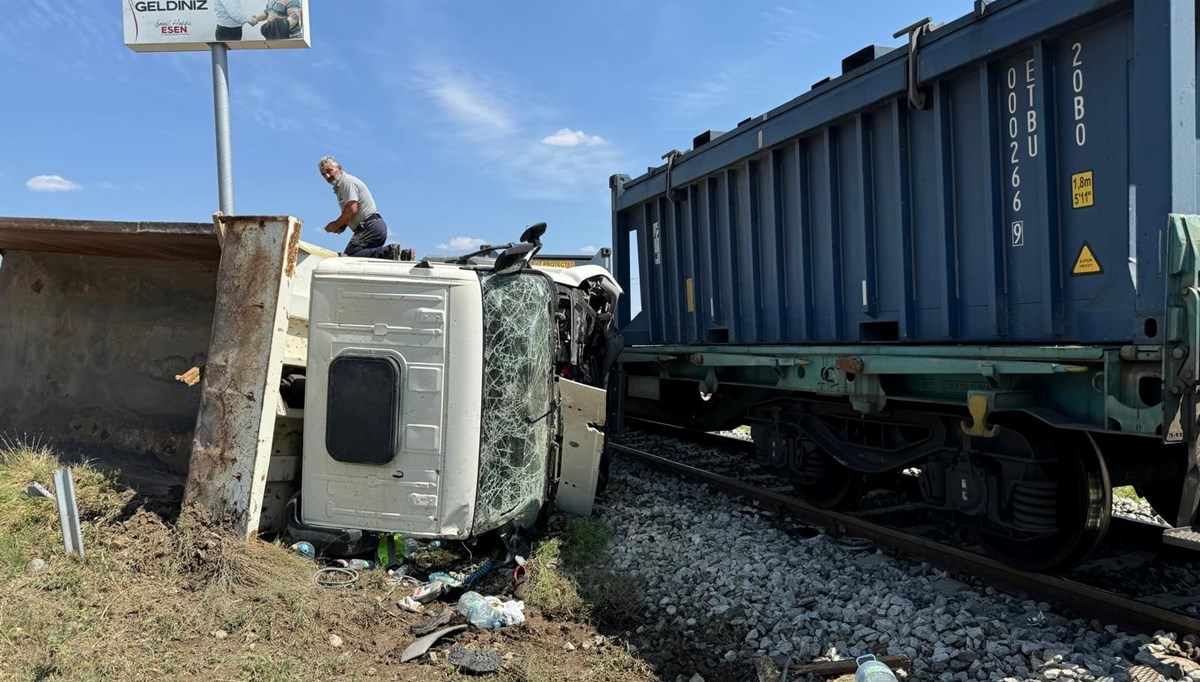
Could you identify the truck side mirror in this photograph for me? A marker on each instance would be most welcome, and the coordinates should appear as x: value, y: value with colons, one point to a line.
x: 533, y: 233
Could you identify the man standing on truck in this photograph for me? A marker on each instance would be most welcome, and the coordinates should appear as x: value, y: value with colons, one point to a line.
x: 358, y: 213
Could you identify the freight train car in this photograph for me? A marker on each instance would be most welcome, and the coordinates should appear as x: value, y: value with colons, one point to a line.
x: 974, y: 254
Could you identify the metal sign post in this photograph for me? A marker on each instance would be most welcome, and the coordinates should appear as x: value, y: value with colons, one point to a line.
x: 220, y: 70
x: 217, y: 26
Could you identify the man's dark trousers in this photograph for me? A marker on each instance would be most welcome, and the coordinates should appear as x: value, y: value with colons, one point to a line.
x: 369, y: 241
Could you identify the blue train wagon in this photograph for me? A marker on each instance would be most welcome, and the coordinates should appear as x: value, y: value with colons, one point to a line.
x: 974, y: 254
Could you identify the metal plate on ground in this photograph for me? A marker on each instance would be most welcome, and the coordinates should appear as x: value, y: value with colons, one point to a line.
x: 1183, y: 537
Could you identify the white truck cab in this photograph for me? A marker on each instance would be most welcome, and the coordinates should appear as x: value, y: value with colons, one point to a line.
x: 447, y: 398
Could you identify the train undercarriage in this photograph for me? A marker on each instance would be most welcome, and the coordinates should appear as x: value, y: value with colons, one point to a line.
x: 1024, y: 459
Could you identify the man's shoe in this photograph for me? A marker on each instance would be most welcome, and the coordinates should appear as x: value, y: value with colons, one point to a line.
x: 393, y: 252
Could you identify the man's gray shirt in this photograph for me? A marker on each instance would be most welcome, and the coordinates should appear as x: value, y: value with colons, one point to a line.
x: 349, y: 188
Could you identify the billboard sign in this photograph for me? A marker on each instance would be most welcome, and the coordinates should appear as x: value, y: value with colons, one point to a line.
x: 184, y: 25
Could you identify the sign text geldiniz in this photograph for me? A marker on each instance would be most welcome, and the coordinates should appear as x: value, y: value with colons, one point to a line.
x: 186, y: 25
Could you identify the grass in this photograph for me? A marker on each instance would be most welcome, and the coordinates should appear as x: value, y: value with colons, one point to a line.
x: 149, y: 599
x: 1127, y: 492
x: 584, y: 540
x: 572, y: 579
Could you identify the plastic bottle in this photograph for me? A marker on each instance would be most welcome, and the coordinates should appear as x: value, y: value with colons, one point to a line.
x: 410, y: 547
x: 304, y: 549
x: 434, y: 544
x: 479, y: 610
x: 872, y: 670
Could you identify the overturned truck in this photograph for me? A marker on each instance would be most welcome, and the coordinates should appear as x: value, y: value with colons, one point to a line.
x: 300, y: 393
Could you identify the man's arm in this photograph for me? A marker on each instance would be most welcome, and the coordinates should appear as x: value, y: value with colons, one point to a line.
x: 348, y: 211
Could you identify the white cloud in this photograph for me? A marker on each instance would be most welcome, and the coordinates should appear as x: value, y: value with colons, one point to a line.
x: 462, y: 244
x: 589, y: 249
x: 51, y: 183
x: 471, y: 107
x: 566, y: 137
x: 499, y: 131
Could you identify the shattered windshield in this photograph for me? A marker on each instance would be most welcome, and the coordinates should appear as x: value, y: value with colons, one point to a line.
x: 517, y: 366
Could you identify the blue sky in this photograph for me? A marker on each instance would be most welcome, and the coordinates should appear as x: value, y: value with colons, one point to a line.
x: 468, y: 120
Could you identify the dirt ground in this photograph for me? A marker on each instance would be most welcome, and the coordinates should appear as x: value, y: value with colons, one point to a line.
x: 155, y: 600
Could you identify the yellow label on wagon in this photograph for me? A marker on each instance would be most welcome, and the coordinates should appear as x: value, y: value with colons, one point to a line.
x: 554, y: 263
x: 1082, y: 194
x: 691, y: 296
x: 1087, y: 263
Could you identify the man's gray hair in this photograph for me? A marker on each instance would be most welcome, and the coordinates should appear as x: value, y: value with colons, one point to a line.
x: 327, y: 161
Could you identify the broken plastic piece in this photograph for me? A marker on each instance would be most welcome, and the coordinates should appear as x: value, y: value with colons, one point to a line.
x: 36, y: 489
x: 411, y: 605
x: 418, y: 648
x: 429, y: 591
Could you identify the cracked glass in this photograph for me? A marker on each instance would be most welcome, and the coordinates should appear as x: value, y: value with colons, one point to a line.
x: 515, y: 429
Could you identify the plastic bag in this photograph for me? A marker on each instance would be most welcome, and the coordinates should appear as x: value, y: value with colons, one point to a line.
x: 489, y: 613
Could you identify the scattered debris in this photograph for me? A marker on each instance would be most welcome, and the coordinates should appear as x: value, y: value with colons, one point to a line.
x: 428, y: 592
x: 332, y: 577
x: 848, y: 667
x: 871, y: 669
x: 190, y: 377
x: 1189, y: 648
x: 474, y: 660
x: 335, y: 641
x: 766, y: 670
x: 855, y: 544
x: 418, y: 648
x: 411, y: 605
x: 433, y: 621
x: 304, y: 549
x: 220, y: 634
x: 490, y: 612
x: 38, y: 566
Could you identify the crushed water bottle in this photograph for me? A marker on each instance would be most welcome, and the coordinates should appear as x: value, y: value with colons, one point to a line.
x: 872, y: 670
x: 304, y: 549
x: 490, y: 613
x: 479, y: 611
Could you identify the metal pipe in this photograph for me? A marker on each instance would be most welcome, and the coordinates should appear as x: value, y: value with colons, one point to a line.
x: 220, y: 67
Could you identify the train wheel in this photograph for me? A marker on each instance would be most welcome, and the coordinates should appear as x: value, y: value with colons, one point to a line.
x: 1084, y: 509
x: 826, y: 483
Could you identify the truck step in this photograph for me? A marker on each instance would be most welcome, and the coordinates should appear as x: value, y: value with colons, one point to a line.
x: 1184, y: 536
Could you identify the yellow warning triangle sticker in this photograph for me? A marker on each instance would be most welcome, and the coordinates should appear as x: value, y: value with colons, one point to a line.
x: 1086, y: 263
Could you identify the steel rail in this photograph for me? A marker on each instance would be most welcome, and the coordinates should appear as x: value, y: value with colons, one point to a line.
x: 1089, y: 601
x: 697, y: 437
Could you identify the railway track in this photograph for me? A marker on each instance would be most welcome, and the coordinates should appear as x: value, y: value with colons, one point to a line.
x: 1087, y: 600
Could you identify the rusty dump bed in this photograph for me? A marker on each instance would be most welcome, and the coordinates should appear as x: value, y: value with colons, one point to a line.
x: 157, y: 241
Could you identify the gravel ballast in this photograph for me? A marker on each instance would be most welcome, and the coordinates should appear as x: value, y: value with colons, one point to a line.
x: 723, y: 584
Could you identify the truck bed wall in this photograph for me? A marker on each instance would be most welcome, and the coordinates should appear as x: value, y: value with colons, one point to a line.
x: 89, y: 350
